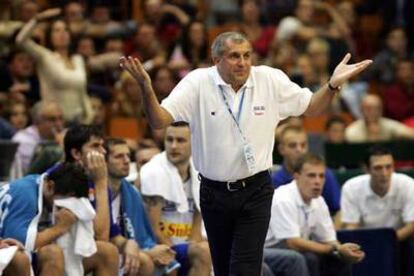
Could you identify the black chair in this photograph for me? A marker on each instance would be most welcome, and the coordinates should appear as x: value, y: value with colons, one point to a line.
x: 380, y: 247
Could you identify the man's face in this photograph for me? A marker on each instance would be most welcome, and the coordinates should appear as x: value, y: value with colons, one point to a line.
x: 381, y: 168
x: 177, y: 144
x: 234, y: 66
x: 21, y: 66
x: 311, y: 180
x: 336, y: 133
x: 50, y: 121
x: 144, y: 155
x: 293, y: 145
x: 118, y: 161
x: 94, y: 144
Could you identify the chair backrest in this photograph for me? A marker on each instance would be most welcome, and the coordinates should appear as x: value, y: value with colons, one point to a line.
x: 380, y: 247
x: 7, y: 152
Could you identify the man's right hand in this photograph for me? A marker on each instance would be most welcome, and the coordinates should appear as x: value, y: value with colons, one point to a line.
x: 64, y: 219
x: 135, y: 68
x: 97, y: 169
x: 162, y: 254
x: 351, y: 252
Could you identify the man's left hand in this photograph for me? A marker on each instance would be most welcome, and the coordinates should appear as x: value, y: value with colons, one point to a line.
x: 131, y: 258
x: 345, y: 71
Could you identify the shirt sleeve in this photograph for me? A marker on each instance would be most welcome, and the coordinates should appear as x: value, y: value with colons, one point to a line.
x: 408, y: 209
x: 181, y: 101
x: 284, y: 220
x: 15, y: 215
x: 292, y: 99
x: 324, y: 230
x: 349, y: 208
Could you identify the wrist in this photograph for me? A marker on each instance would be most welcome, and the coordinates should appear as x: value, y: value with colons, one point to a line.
x: 333, y: 88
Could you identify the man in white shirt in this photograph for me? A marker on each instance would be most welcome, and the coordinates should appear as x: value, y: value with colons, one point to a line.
x: 170, y: 186
x: 381, y: 198
x: 233, y: 109
x: 300, y: 221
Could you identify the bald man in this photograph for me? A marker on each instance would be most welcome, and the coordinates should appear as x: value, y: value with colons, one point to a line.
x: 373, y: 127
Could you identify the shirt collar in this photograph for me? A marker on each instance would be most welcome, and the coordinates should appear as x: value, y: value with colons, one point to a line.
x: 391, y: 192
x: 299, y: 200
x: 220, y: 82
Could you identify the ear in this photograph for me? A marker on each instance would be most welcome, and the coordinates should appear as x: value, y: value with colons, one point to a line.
x: 216, y: 60
x: 76, y: 154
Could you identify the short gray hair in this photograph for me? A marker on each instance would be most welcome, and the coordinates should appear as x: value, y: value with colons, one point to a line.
x: 218, y: 47
x: 39, y: 107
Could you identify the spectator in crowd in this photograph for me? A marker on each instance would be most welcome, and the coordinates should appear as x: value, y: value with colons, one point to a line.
x: 98, y: 110
x: 128, y: 206
x: 84, y: 145
x: 374, y: 127
x: 259, y: 35
x: 17, y: 115
x: 47, y: 124
x: 170, y: 187
x: 19, y: 263
x: 22, y: 219
x: 399, y: 96
x: 300, y: 221
x: 293, y: 144
x: 147, y: 47
x: 318, y: 53
x: 62, y: 75
x: 192, y: 51
x: 335, y: 130
x: 164, y: 80
x: 18, y: 79
x: 380, y: 198
x: 384, y: 66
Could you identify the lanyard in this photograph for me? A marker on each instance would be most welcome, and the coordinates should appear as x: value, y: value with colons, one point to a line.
x: 236, y: 120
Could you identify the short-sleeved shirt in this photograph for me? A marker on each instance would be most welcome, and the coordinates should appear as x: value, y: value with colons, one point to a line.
x: 359, y: 203
x: 291, y: 217
x: 357, y: 132
x: 267, y: 97
x: 331, y: 189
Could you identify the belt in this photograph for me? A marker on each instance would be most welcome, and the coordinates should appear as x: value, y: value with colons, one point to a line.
x: 235, y: 185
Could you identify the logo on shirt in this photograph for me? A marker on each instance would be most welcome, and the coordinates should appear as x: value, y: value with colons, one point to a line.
x: 258, y: 110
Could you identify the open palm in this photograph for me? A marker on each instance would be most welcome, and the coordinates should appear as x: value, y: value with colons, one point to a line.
x: 345, y: 71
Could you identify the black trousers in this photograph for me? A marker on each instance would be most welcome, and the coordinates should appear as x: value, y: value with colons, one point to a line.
x: 236, y: 223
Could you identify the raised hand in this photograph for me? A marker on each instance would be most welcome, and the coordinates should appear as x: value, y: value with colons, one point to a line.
x: 134, y: 67
x: 96, y: 166
x: 345, y: 71
x: 47, y: 14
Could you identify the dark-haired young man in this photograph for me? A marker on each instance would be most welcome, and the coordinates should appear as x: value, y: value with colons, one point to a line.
x: 300, y: 221
x: 26, y: 205
x: 381, y: 198
x: 84, y: 145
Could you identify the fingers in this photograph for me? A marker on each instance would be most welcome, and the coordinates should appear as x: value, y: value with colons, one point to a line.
x: 127, y: 264
x: 346, y: 58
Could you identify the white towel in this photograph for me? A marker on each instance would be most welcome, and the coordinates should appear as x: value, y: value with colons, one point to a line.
x: 79, y: 242
x: 6, y: 255
x: 159, y: 177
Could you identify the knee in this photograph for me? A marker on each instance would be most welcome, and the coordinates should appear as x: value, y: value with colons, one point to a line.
x: 20, y: 265
x: 200, y: 251
x: 296, y: 258
x: 51, y: 253
x: 107, y: 253
x: 146, y: 264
